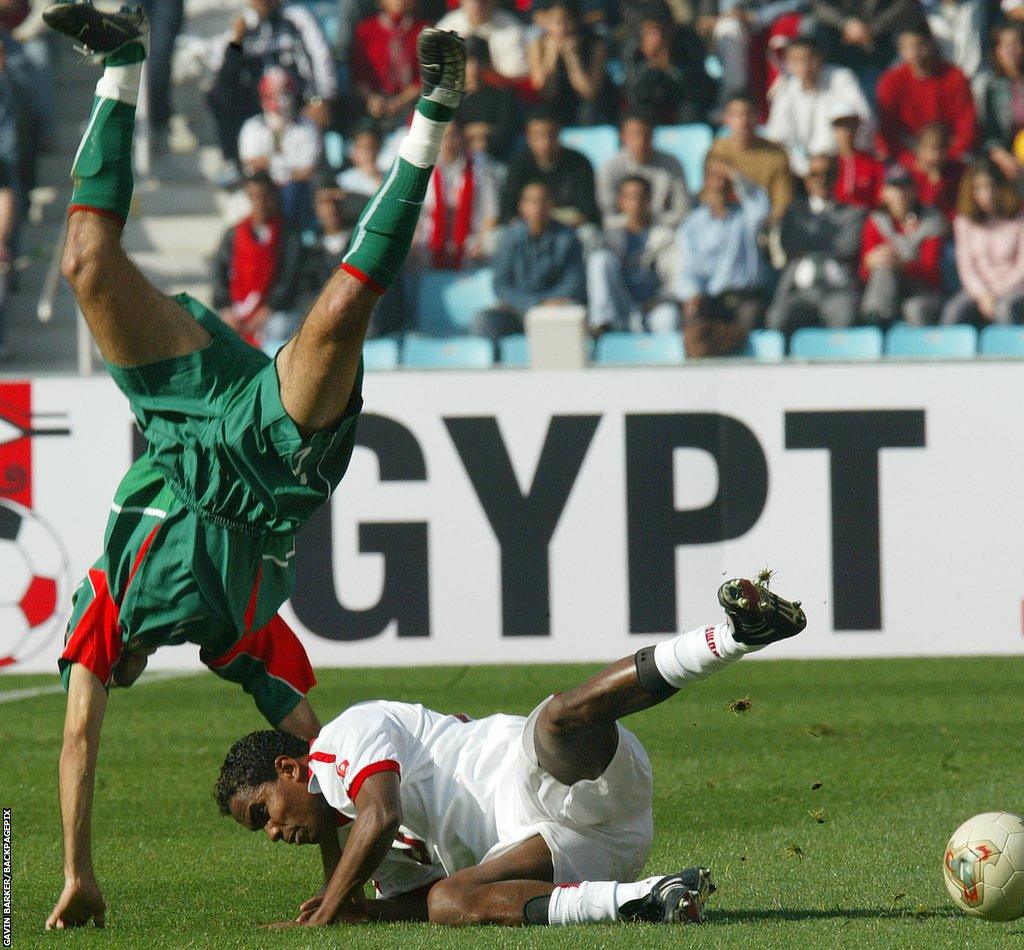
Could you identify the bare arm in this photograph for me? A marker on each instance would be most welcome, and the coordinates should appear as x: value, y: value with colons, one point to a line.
x: 585, y: 79
x: 81, y: 899
x: 377, y: 822
x: 542, y: 57
x: 7, y: 218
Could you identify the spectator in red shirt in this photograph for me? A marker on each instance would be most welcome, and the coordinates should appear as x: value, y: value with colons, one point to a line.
x: 919, y: 91
x: 257, y: 269
x: 901, y: 249
x: 384, y: 64
x: 859, y: 175
x: 936, y: 175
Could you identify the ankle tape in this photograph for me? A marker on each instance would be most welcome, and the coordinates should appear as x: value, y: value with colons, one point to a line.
x: 651, y: 680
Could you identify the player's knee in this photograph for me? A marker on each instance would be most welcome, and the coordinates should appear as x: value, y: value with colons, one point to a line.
x: 454, y: 904
x: 564, y: 714
x: 442, y: 903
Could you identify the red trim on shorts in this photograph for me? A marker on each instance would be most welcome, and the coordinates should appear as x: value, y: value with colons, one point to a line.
x: 375, y: 286
x: 6, y: 660
x: 418, y: 848
x: 280, y: 652
x: 385, y: 765
x: 101, y: 212
x: 96, y: 641
x: 321, y: 757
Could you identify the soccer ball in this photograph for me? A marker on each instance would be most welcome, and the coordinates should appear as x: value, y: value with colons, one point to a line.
x: 984, y: 866
x: 34, y: 578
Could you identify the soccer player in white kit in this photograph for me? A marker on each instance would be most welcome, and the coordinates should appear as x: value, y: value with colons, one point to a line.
x: 513, y: 820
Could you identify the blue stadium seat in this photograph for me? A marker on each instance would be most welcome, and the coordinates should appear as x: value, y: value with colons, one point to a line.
x: 627, y: 349
x: 598, y: 142
x: 448, y: 300
x: 821, y: 343
x: 956, y: 342
x: 334, y: 149
x: 515, y: 351
x: 465, y: 352
x: 381, y: 353
x: 999, y: 340
x: 689, y: 144
x: 766, y: 345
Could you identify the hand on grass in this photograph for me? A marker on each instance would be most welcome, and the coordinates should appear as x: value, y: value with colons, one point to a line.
x: 79, y: 902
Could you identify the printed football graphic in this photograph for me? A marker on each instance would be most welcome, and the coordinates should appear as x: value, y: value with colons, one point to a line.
x: 34, y: 582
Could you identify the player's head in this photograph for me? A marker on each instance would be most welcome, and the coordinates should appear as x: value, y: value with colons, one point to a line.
x: 264, y: 785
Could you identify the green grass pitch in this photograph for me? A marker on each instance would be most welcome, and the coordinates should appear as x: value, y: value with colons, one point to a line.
x: 823, y: 810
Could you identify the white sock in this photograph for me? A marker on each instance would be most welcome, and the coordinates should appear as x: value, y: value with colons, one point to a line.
x: 594, y: 902
x: 120, y: 83
x: 423, y: 142
x: 697, y: 653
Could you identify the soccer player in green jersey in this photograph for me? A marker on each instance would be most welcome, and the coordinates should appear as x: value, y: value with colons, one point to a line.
x: 200, y: 541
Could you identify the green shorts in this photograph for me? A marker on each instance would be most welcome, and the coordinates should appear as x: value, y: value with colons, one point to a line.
x: 199, y: 544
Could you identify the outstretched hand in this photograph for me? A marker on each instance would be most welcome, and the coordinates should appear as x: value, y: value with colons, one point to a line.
x: 79, y: 902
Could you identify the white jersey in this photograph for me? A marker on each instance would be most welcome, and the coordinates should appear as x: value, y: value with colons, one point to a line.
x: 450, y: 770
x: 472, y: 790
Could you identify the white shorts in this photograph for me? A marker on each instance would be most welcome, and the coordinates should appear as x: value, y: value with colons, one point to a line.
x: 597, y: 830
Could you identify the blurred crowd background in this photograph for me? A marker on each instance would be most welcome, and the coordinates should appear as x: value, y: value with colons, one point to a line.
x: 695, y: 172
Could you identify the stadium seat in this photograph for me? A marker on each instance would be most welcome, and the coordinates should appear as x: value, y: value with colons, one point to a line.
x: 466, y: 352
x: 599, y: 142
x: 821, y: 343
x: 766, y: 345
x: 448, y: 300
x: 689, y: 144
x: 381, y: 353
x: 515, y: 351
x: 956, y: 342
x: 1002, y: 341
x: 625, y: 349
x: 334, y: 149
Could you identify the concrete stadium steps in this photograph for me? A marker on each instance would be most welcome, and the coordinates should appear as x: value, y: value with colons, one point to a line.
x: 177, y: 217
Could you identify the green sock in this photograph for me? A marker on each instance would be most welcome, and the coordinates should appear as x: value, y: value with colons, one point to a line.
x: 384, y: 232
x: 103, y: 166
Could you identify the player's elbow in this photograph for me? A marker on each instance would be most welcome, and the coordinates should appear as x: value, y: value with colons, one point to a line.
x: 385, y: 818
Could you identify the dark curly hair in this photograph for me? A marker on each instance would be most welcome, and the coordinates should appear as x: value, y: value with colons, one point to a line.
x: 250, y: 762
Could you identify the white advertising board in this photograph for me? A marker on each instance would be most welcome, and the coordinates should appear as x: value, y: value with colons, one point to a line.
x: 509, y: 517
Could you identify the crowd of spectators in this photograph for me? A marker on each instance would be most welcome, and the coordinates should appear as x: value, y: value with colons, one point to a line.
x: 27, y: 127
x: 866, y: 166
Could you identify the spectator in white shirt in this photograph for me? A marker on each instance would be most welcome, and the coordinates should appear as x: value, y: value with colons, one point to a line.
x: 505, y: 35
x: 364, y: 176
x: 282, y: 143
x: 670, y: 199
x: 802, y: 100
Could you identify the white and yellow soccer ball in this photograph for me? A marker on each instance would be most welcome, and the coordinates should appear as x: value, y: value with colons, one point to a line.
x: 983, y: 866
